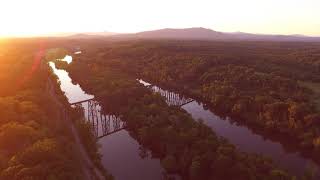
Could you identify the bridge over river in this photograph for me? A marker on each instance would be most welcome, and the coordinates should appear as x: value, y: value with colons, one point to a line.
x: 104, y: 125
x: 108, y: 124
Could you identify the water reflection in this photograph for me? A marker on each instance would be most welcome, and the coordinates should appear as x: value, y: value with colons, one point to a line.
x: 73, y: 92
x: 121, y: 154
x: 102, y: 124
x: 243, y: 137
x: 172, y: 99
x: 67, y: 59
x: 250, y: 142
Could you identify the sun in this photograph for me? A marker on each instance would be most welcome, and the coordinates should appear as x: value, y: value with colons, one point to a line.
x: 30, y: 18
x: 47, y: 17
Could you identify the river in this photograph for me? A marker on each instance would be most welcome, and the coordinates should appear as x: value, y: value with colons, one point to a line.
x: 121, y: 154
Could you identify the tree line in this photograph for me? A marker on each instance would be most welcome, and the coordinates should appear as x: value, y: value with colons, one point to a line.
x: 272, y: 86
x: 34, y: 141
x: 185, y: 146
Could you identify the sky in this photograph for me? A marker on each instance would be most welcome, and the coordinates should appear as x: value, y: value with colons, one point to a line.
x: 41, y: 17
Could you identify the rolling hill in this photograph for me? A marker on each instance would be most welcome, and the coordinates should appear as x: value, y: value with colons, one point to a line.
x: 208, y: 34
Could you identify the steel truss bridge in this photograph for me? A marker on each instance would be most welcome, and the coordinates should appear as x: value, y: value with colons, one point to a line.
x: 172, y: 99
x: 106, y: 124
x: 102, y: 124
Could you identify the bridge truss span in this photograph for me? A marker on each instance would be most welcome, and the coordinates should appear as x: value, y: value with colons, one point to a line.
x: 102, y: 124
x: 172, y: 99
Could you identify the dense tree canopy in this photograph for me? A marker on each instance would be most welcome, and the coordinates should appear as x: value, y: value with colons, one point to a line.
x: 34, y: 142
x: 270, y: 85
x: 273, y: 86
x: 184, y: 145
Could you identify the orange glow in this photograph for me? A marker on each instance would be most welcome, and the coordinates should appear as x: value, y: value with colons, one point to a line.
x: 35, y: 65
x: 46, y: 17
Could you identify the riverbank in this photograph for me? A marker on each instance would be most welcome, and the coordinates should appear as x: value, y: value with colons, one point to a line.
x: 135, y: 103
x: 287, y: 141
x: 256, y: 89
x: 92, y: 172
x: 34, y: 141
x: 244, y: 137
x: 117, y: 148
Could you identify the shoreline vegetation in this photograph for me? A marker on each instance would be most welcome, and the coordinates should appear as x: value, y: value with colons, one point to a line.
x: 34, y: 143
x: 35, y: 140
x: 184, y: 146
x: 76, y: 117
x: 271, y: 86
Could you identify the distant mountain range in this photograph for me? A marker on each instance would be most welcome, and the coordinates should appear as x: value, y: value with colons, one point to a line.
x: 105, y: 33
x: 200, y: 34
x: 83, y: 34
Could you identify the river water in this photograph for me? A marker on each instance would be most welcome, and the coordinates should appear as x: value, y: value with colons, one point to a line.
x: 121, y: 154
x: 241, y: 136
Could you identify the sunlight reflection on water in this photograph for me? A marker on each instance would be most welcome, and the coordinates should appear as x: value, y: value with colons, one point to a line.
x: 67, y: 59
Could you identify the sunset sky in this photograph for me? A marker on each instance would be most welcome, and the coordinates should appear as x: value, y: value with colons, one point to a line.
x: 39, y: 17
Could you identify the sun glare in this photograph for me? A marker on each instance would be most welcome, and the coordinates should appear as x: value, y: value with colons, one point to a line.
x: 34, y: 17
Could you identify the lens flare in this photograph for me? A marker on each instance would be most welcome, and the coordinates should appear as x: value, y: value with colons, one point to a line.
x: 38, y: 57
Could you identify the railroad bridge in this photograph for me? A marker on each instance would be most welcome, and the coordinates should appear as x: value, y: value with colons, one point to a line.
x: 172, y: 99
x: 107, y: 124
x: 102, y: 124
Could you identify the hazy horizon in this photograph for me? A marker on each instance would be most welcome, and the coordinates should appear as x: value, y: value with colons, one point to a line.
x: 109, y: 33
x: 160, y: 89
x: 38, y: 18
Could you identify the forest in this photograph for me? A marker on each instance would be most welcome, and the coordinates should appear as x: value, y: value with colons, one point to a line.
x: 272, y: 86
x: 271, y: 98
x: 35, y: 142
